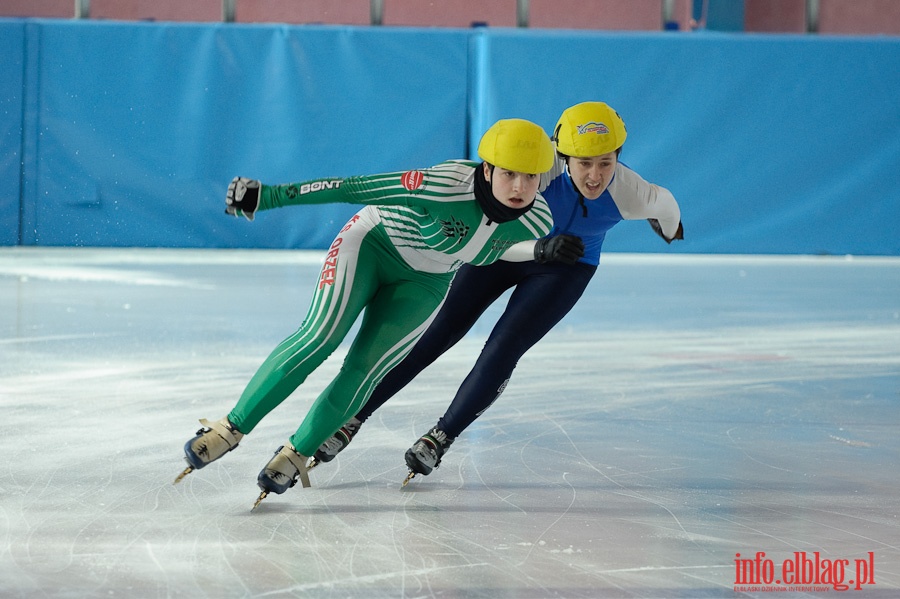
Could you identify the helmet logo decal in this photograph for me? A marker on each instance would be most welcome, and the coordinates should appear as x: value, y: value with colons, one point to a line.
x: 412, y: 180
x: 592, y: 127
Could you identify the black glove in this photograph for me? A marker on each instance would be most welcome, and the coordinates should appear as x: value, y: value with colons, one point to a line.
x: 561, y: 248
x: 679, y: 234
x: 242, y: 197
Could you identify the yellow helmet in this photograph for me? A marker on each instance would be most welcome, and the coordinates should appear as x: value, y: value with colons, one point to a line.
x: 589, y: 129
x: 517, y: 145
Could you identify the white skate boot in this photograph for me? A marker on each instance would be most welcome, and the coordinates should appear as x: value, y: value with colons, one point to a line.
x: 210, y: 443
x: 282, y: 472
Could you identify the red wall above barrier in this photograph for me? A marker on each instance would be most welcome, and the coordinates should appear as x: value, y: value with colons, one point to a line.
x: 345, y: 12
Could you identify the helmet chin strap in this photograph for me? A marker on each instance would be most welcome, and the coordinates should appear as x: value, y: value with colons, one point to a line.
x: 584, y: 210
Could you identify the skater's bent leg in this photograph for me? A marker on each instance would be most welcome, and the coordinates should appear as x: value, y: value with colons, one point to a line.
x: 539, y: 302
x: 335, y: 306
x: 473, y: 290
x: 395, y: 318
x: 282, y: 372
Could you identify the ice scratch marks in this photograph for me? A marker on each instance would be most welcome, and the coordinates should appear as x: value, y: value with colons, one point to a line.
x: 550, y: 527
x: 490, y: 488
x: 356, y: 580
x: 625, y: 491
x: 729, y: 432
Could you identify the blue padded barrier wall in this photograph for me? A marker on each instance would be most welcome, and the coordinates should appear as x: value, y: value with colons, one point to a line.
x: 127, y: 134
x: 772, y: 144
x: 140, y: 126
x: 12, y: 61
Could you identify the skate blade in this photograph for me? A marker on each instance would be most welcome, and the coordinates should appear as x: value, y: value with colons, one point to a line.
x: 408, y: 478
x: 313, y: 462
x: 187, y: 471
x: 259, y: 499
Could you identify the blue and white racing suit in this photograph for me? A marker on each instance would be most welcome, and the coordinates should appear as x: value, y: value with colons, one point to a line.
x: 543, y: 295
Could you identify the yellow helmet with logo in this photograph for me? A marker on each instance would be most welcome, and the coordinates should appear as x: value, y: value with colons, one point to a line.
x: 589, y: 129
x: 517, y: 145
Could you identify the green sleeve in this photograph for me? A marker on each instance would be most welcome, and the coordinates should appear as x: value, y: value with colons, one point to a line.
x: 369, y: 189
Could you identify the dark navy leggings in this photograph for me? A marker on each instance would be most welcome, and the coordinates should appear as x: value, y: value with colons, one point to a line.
x: 543, y: 295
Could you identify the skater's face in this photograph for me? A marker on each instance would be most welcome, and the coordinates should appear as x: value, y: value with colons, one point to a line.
x: 592, y: 175
x: 512, y: 188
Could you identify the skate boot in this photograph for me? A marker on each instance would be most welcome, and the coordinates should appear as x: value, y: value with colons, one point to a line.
x: 335, y: 444
x: 282, y: 472
x: 210, y: 443
x: 425, y: 455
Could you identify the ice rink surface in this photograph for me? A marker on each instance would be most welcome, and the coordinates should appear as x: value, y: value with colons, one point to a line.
x: 688, y: 410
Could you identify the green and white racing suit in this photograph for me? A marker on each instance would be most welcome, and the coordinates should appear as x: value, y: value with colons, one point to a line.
x: 395, y: 258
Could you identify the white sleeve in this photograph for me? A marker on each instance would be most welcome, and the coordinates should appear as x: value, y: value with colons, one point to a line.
x: 520, y: 252
x: 559, y: 167
x: 637, y: 199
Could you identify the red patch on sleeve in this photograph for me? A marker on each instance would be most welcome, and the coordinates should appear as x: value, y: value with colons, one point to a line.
x: 412, y: 180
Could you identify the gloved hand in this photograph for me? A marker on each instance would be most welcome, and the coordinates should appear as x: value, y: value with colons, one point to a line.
x: 559, y: 248
x: 679, y: 234
x: 242, y: 197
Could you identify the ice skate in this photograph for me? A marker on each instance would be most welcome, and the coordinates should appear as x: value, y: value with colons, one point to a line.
x: 335, y: 444
x: 425, y: 455
x: 211, y: 442
x: 282, y: 472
